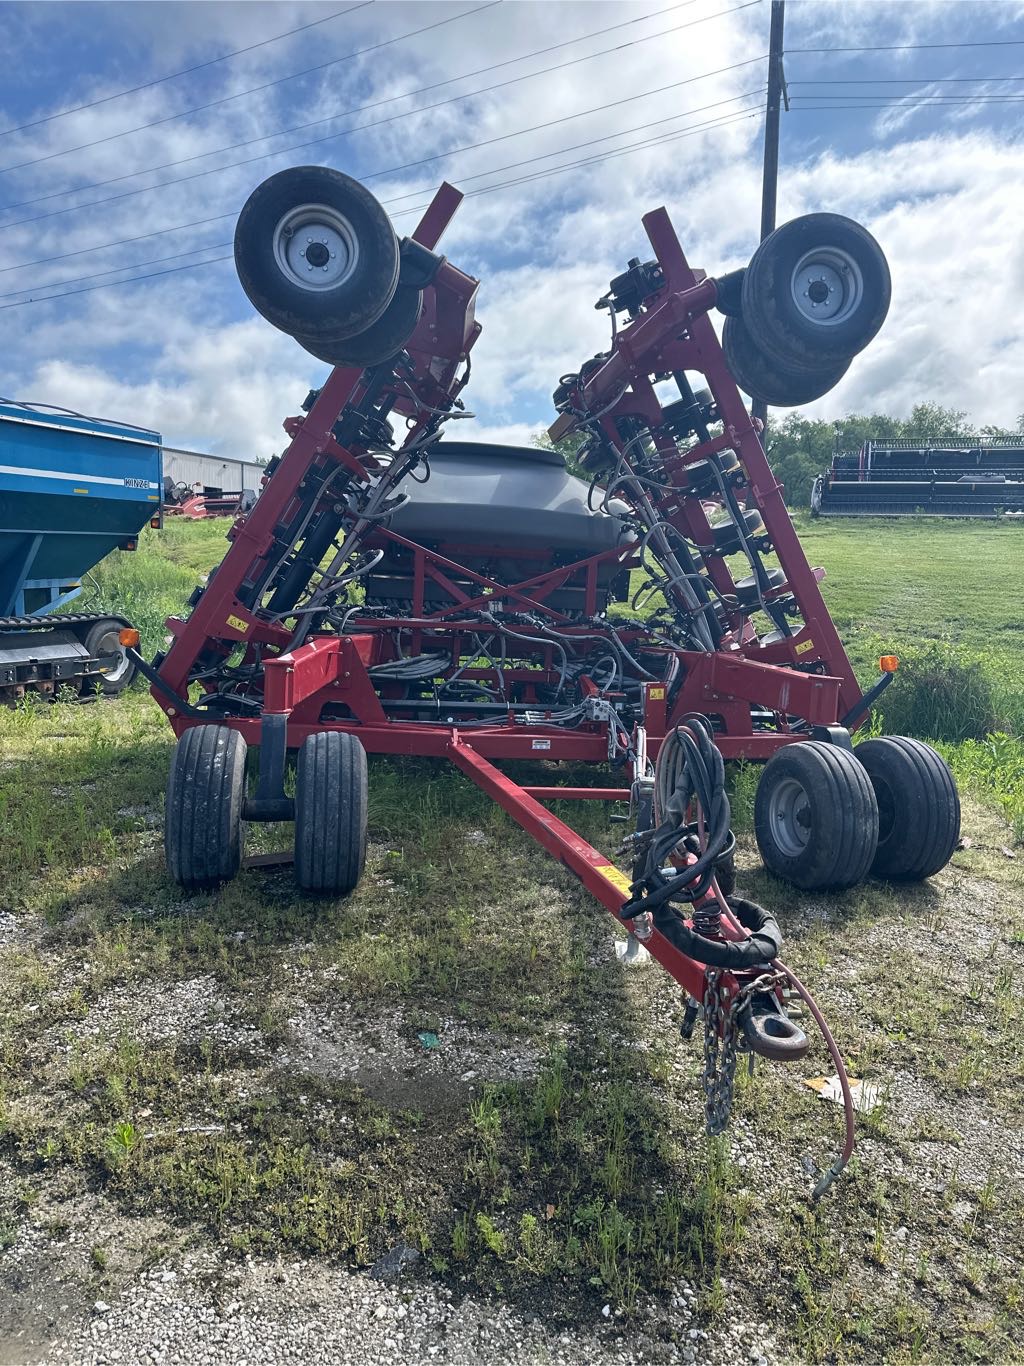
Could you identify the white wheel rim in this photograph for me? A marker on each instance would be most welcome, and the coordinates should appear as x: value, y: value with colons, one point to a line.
x: 789, y: 816
x: 827, y: 286
x: 111, y: 645
x: 315, y: 247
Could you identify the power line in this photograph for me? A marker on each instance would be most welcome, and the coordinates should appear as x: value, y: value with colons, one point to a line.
x: 371, y: 175
x: 411, y: 194
x: 121, y: 242
x: 252, y: 90
x: 391, y: 118
x: 111, y: 284
x: 907, y: 80
x: 316, y: 123
x: 725, y: 121
x: 623, y: 132
x: 909, y: 47
x: 365, y: 108
x: 116, y: 270
x: 939, y: 101
x: 187, y: 71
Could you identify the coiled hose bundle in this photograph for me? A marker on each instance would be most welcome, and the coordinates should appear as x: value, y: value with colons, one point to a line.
x: 690, y: 770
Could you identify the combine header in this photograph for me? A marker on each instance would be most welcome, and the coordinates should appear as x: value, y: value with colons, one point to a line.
x: 979, y: 477
x: 392, y: 592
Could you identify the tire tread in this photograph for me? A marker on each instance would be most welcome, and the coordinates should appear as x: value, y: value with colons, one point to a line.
x: 928, y: 799
x: 846, y: 817
x: 203, y: 827
x: 330, y: 813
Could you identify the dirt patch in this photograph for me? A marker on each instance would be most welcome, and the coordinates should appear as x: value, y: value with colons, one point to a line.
x: 382, y: 1052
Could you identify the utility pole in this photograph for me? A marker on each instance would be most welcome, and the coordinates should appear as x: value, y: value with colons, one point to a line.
x: 777, y: 93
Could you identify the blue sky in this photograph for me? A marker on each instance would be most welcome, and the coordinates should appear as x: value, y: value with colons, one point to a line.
x: 939, y: 184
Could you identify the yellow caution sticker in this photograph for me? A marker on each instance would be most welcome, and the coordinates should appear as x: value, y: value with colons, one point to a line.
x: 85, y: 491
x: 616, y: 876
x: 656, y: 694
x: 237, y: 624
x: 803, y: 647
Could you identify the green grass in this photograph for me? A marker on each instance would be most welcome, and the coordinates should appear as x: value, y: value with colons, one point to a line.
x: 587, y: 1181
x: 154, y: 582
x: 895, y: 584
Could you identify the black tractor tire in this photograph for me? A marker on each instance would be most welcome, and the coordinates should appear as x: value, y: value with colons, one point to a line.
x: 770, y: 380
x: 381, y: 341
x: 343, y: 289
x: 203, y: 827
x: 101, y: 639
x: 330, y: 813
x: 918, y: 807
x: 822, y: 252
x: 815, y: 817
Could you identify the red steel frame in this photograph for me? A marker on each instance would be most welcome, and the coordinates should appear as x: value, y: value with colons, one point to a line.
x: 673, y: 333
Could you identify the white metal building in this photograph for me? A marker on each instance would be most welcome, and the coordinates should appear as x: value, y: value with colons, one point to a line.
x: 215, y: 471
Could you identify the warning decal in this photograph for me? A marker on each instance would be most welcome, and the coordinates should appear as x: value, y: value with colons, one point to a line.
x: 616, y: 876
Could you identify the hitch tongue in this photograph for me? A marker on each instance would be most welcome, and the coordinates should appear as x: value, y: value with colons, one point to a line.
x: 769, y: 1031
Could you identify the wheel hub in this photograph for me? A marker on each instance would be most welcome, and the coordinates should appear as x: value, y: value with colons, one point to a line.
x: 315, y: 247
x: 827, y: 286
x: 110, y: 644
x: 789, y: 814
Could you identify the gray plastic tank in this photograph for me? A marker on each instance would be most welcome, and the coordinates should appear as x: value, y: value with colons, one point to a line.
x: 509, y: 496
x: 507, y: 512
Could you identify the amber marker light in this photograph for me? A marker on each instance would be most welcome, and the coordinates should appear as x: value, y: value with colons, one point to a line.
x: 129, y: 637
x: 889, y: 664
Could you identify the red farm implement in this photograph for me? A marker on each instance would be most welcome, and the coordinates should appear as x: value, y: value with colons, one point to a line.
x: 391, y: 592
x: 200, y: 503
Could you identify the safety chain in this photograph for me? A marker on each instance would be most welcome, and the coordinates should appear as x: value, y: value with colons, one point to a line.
x: 720, y: 1047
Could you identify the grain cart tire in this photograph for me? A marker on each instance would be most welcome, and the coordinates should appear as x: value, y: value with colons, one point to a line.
x: 316, y: 254
x: 203, y: 828
x: 382, y: 340
x: 763, y: 377
x: 816, y: 291
x: 330, y: 813
x: 918, y: 807
x: 103, y: 638
x: 815, y: 816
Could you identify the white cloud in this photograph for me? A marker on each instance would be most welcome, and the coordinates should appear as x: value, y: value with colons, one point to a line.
x: 184, y: 352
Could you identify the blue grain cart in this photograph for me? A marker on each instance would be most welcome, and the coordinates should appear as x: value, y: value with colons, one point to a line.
x: 72, y: 489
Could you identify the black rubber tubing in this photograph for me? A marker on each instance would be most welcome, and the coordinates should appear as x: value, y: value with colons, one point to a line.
x: 763, y: 945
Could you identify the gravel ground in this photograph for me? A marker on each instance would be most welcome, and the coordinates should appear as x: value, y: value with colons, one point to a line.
x: 163, y: 1293
x: 197, y: 1311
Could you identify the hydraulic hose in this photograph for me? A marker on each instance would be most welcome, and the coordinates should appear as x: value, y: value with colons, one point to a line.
x: 761, y: 943
x: 690, y: 769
